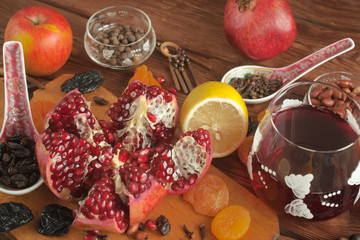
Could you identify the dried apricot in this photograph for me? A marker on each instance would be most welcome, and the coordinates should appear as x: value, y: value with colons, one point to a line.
x: 143, y: 75
x: 244, y: 149
x: 231, y: 223
x: 209, y: 196
x: 39, y: 109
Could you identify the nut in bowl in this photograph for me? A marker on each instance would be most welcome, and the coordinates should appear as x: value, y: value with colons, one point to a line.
x: 19, y: 171
x: 348, y: 82
x: 119, y: 37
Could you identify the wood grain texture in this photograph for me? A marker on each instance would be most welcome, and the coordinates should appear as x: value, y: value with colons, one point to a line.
x: 197, y: 27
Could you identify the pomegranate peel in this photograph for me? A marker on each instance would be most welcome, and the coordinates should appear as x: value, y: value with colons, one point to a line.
x: 140, y: 208
x: 119, y: 171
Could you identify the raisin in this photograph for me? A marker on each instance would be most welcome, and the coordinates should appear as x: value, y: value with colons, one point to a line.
x: 163, y: 225
x: 19, y: 180
x: 16, y: 138
x: 55, y: 220
x: 13, y: 215
x: 18, y: 164
x: 100, y: 101
x: 85, y: 82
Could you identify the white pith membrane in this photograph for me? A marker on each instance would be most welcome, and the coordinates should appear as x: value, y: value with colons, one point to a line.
x: 138, y: 126
x: 189, y: 157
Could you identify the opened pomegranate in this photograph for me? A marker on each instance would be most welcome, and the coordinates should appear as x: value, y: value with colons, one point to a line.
x: 259, y: 29
x: 120, y: 170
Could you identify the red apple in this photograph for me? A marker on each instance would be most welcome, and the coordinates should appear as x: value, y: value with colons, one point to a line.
x: 46, y: 37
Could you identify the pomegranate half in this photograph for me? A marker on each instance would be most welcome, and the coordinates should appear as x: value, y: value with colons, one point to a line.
x: 118, y: 171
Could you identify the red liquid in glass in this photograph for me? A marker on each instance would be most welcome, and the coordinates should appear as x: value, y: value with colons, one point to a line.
x: 314, y: 130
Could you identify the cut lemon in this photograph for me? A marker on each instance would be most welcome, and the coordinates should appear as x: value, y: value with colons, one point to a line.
x: 219, y: 108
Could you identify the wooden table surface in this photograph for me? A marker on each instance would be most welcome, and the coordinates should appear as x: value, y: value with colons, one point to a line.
x: 197, y: 26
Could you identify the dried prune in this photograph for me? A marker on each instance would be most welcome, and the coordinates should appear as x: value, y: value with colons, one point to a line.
x: 55, y: 220
x: 163, y: 225
x: 85, y: 82
x: 13, y: 215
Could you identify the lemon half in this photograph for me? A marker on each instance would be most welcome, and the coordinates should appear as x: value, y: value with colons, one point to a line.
x: 218, y: 108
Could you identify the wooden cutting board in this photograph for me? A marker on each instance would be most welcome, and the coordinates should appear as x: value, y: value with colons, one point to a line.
x: 264, y: 222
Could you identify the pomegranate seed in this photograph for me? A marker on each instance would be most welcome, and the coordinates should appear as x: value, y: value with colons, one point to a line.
x: 102, y: 216
x: 94, y: 209
x: 110, y: 138
x: 144, y: 166
x: 143, y: 177
x: 150, y: 224
x: 109, y: 205
x: 111, y: 213
x: 143, y: 159
x: 119, y: 215
x: 133, y: 188
x: 192, y: 179
x: 151, y: 117
x: 172, y: 90
x: 161, y: 80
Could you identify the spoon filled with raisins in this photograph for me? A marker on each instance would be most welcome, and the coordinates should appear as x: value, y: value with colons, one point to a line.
x: 19, y: 171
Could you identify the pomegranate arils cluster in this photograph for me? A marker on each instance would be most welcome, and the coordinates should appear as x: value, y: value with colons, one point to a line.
x: 118, y: 171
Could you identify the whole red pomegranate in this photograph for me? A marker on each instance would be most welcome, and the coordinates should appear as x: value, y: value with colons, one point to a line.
x: 259, y: 29
x: 120, y: 170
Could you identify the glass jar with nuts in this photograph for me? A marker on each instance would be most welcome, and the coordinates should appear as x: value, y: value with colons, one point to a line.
x: 119, y: 37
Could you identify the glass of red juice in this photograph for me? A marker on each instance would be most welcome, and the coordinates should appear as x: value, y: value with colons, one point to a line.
x: 304, y: 161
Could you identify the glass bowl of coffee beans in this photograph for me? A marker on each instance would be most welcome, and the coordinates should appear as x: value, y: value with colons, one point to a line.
x: 119, y: 37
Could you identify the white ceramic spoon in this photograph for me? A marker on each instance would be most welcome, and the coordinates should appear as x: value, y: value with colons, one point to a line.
x: 17, y: 113
x: 294, y: 71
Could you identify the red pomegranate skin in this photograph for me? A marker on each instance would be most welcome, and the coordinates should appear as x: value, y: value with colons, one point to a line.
x: 263, y: 32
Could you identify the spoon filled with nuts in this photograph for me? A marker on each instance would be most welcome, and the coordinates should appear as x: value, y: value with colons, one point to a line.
x: 19, y: 171
x: 258, y: 84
